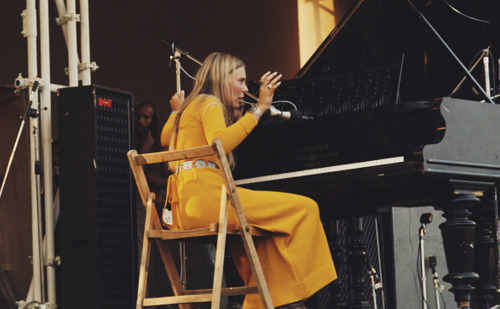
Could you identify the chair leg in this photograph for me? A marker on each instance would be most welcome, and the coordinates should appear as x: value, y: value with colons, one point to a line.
x: 221, y: 249
x: 248, y: 244
x: 152, y: 221
x: 169, y: 263
x: 146, y: 251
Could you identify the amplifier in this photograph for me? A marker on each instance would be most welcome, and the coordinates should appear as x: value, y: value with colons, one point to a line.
x: 96, y: 235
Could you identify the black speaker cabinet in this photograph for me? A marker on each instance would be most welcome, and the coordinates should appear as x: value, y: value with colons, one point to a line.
x: 97, y: 230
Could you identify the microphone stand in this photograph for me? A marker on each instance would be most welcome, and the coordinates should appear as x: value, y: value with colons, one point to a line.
x: 486, y: 62
x: 177, y: 52
x: 374, y: 285
x: 425, y: 218
x: 435, y: 280
x: 176, y: 56
x: 450, y: 51
x: 470, y: 70
x: 28, y: 113
x: 421, y: 233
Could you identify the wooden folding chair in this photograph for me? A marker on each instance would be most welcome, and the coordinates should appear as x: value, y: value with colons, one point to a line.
x: 153, y: 231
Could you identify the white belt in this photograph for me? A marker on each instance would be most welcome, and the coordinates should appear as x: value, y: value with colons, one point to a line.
x: 187, y: 165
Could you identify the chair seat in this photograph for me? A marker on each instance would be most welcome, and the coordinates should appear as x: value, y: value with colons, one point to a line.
x: 209, y: 232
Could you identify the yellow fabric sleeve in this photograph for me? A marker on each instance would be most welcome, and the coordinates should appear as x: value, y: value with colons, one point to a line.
x: 214, y: 126
x: 166, y: 132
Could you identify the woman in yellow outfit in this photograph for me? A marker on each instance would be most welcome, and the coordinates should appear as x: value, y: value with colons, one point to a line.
x: 296, y: 260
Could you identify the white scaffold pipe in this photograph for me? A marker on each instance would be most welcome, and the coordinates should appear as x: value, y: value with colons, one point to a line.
x: 62, y: 21
x: 56, y: 207
x: 46, y: 132
x: 22, y: 83
x: 71, y: 19
x: 29, y: 32
x: 85, y: 42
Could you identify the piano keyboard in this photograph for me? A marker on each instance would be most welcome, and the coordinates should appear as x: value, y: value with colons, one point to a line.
x: 322, y: 170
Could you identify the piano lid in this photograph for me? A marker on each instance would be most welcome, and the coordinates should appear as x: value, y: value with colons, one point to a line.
x: 375, y: 33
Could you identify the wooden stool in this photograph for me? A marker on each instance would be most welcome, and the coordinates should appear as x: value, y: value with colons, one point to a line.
x: 153, y: 231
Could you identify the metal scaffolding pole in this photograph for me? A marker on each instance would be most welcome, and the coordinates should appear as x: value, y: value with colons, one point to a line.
x: 71, y: 19
x: 40, y: 122
x: 30, y: 33
x: 46, y: 129
x: 85, y: 42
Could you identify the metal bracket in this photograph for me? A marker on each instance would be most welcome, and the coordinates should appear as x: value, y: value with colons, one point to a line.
x: 92, y: 66
x: 22, y: 83
x: 29, y: 22
x: 67, y: 17
x: 54, y: 262
x: 82, y: 67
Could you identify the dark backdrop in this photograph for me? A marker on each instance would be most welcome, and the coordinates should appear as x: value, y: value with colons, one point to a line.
x: 125, y: 41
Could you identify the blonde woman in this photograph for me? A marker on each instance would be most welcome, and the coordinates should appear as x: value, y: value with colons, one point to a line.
x: 296, y: 260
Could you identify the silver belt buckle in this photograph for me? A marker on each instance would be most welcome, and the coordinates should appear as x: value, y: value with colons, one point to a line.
x: 187, y: 165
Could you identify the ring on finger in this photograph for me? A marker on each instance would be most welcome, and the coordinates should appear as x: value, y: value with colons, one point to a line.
x: 269, y: 86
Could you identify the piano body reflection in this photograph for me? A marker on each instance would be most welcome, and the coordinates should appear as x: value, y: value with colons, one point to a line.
x: 382, y: 135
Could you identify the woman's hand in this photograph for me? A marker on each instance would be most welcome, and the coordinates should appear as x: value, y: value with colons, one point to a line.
x: 269, y: 82
x: 176, y: 101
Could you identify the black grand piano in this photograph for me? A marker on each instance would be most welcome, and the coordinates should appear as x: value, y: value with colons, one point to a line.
x: 396, y: 119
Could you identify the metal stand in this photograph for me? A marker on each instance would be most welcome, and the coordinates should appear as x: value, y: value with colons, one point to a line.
x: 422, y: 17
x: 177, y: 53
x: 43, y: 285
x: 425, y: 219
x: 435, y: 280
x: 375, y: 285
x: 176, y: 56
x: 486, y: 64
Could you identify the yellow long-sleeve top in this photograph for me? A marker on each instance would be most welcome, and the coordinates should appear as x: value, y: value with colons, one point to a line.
x: 203, y: 120
x: 296, y: 260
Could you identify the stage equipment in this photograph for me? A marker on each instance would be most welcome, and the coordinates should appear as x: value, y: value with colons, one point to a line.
x: 176, y: 55
x: 383, y: 135
x: 435, y: 279
x: 484, y: 55
x: 42, y: 153
x: 97, y: 233
x: 375, y: 284
x: 425, y: 219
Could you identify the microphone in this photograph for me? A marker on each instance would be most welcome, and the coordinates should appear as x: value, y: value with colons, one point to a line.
x: 294, y: 115
x: 426, y: 218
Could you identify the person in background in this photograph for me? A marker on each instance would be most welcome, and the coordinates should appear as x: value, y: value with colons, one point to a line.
x: 147, y: 139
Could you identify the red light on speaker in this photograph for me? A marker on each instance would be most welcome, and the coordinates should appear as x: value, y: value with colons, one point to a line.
x: 104, y: 102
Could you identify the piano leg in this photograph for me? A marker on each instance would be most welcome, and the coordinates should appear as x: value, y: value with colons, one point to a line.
x: 458, y: 240
x: 485, y: 256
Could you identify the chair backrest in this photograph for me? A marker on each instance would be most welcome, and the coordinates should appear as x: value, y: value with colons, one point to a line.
x: 137, y: 162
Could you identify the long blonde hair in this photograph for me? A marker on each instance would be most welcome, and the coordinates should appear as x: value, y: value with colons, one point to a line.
x: 212, y: 79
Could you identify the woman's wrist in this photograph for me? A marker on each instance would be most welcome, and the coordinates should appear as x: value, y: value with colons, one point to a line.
x: 256, y: 112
